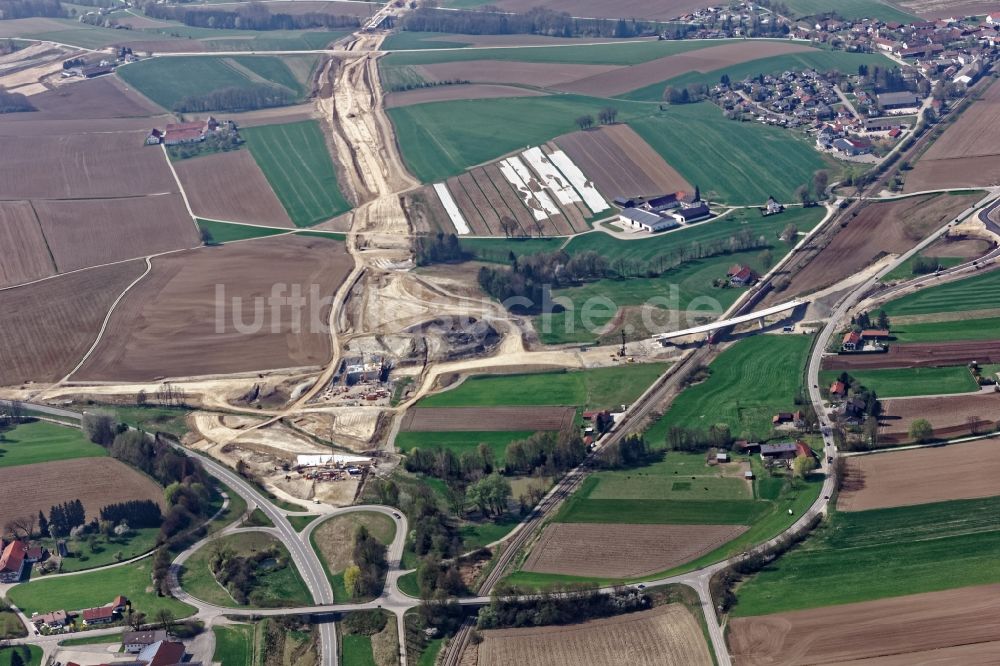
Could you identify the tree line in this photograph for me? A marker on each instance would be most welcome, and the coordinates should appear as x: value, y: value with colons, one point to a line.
x: 137, y: 513
x: 11, y: 102
x: 490, y: 20
x: 235, y: 98
x: 364, y: 576
x: 441, y: 248
x: 554, y: 608
x: 250, y: 16
x: 238, y: 573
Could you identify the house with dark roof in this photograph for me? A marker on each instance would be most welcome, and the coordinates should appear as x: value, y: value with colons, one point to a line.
x: 898, y: 100
x: 161, y: 653
x: 13, y: 562
x: 692, y: 213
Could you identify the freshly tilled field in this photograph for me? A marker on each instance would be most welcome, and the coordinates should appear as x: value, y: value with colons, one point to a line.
x: 932, y: 354
x: 935, y: 628
x: 665, y: 636
x: 920, y: 476
x: 97, y: 482
x: 948, y: 415
x: 22, y: 244
x: 623, y: 551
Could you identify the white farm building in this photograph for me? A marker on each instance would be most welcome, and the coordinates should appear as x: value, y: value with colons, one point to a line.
x: 638, y: 218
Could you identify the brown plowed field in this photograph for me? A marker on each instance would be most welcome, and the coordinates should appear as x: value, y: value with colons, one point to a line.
x: 542, y: 74
x: 513, y: 199
x: 882, y: 228
x: 929, y: 354
x: 47, y: 327
x: 23, y: 253
x: 473, y: 419
x: 497, y: 201
x: 948, y: 415
x: 708, y: 59
x: 640, y: 9
x: 919, y: 476
x: 621, y: 550
x: 620, y: 163
x: 932, y: 9
x: 230, y: 186
x: 82, y: 165
x: 168, y: 324
x: 965, y: 248
x: 89, y: 232
x: 968, y: 153
x: 481, y: 203
x: 104, y: 97
x: 665, y: 636
x: 469, y: 210
x: 97, y: 482
x: 449, y: 93
x: 914, y: 629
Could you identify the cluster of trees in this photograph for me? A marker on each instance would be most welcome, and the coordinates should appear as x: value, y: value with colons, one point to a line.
x: 445, y: 464
x: 550, y: 608
x: 15, y: 9
x: 867, y: 320
x: 233, y: 98
x: 215, y: 142
x: 489, y: 20
x: 63, y: 518
x: 546, y: 453
x: 629, y: 452
x: 716, y: 436
x: 808, y: 193
x: 884, y: 79
x: 606, y: 116
x: 490, y: 495
x: 137, y: 513
x: 441, y: 248
x: 693, y: 92
x: 14, y: 102
x: 20, y: 656
x: 250, y: 16
x: 363, y: 578
x: 238, y: 573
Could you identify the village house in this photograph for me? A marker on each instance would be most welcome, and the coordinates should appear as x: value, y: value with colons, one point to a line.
x: 692, y: 213
x: 838, y: 390
x: 741, y: 275
x: 783, y: 418
x: 853, y: 411
x: 54, y: 620
x: 35, y: 553
x: 852, y: 146
x: 13, y: 562
x: 137, y: 641
x: 852, y: 342
x: 101, y: 615
x: 785, y: 451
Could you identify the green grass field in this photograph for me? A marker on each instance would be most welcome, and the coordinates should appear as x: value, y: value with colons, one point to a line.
x: 822, y: 60
x: 442, y: 139
x: 597, y: 388
x: 679, y: 476
x: 96, y: 589
x: 234, y: 645
x: 276, y: 587
x: 211, y: 39
x: 850, y: 9
x: 974, y: 293
x: 11, y: 626
x: 299, y: 523
x: 403, y: 40
x: 904, y: 382
x: 905, y: 270
x: 224, y: 232
x: 297, y: 164
x: 429, y: 656
x: 356, y: 650
x: 716, y: 154
x: 749, y: 383
x: 34, y: 655
x: 40, y: 441
x: 583, y: 507
x: 166, y: 81
x: 648, y: 249
x: 459, y: 442
x: 685, y: 291
x: 379, y: 525
x: 154, y: 419
x: 948, y: 331
x: 139, y: 542
x: 882, y: 553
x: 477, y: 535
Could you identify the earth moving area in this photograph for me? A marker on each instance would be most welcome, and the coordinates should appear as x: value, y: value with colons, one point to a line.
x: 900, y: 478
x: 933, y: 628
x: 223, y: 310
x: 665, y: 636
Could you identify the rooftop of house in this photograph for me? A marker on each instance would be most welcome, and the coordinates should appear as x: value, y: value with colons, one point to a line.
x: 13, y: 556
x: 100, y: 613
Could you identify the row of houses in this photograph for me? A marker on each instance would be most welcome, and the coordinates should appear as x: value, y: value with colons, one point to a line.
x: 58, y: 620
